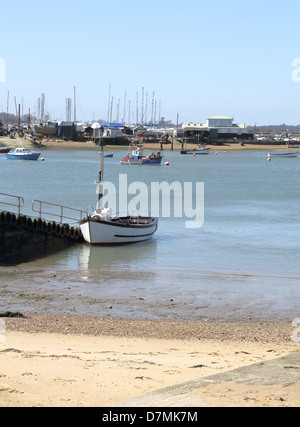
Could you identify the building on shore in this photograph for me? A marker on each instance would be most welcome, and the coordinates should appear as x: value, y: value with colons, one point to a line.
x: 216, y: 129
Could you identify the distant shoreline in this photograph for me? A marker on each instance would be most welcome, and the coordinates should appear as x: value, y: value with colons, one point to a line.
x: 90, y: 145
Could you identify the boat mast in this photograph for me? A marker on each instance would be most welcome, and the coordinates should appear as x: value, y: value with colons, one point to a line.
x: 75, y: 119
x: 101, y: 175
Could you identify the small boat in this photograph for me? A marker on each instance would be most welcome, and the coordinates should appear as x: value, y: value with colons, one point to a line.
x: 138, y: 157
x: 4, y: 150
x: 102, y: 229
x: 202, y: 149
x: 109, y: 155
x: 22, y: 153
x: 287, y: 153
x: 283, y: 154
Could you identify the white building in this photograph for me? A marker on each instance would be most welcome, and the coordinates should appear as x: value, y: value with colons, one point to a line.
x: 217, y: 127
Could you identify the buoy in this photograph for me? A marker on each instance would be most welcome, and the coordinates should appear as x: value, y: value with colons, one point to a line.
x: 269, y: 159
x: 42, y: 159
x: 194, y: 155
x: 216, y: 153
x: 167, y: 164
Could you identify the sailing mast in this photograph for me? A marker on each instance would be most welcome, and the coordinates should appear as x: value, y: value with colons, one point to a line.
x: 101, y: 176
x: 74, y: 105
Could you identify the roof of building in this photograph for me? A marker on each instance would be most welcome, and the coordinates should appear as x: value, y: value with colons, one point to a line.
x: 220, y: 118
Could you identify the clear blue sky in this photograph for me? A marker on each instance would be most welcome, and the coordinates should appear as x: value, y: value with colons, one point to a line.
x: 200, y: 58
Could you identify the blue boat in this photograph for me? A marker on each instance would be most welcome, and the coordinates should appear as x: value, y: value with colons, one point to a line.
x: 137, y: 157
x: 21, y: 153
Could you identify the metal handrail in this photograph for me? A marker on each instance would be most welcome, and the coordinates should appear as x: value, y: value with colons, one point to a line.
x: 61, y: 215
x: 19, y: 204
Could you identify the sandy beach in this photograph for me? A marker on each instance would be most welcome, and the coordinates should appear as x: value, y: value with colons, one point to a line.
x: 54, y: 360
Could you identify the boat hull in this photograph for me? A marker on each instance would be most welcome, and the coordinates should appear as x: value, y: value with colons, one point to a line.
x: 128, y: 230
x: 204, y: 151
x: 144, y: 161
x: 33, y: 156
x: 287, y: 154
x: 5, y: 150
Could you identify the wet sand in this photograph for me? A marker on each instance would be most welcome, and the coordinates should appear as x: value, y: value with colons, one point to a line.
x: 54, y: 360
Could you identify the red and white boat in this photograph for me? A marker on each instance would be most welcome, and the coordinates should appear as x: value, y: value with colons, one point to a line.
x: 137, y: 157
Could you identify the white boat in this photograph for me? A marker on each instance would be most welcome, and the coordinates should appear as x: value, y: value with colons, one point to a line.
x: 202, y: 149
x: 102, y: 229
x: 287, y: 153
x: 283, y: 154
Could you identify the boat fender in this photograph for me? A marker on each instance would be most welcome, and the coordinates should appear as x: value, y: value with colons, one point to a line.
x: 53, y: 227
x: 7, y: 218
x: 29, y: 224
x: 77, y: 233
x: 72, y: 233
x: 13, y: 220
x: 35, y: 225
x: 44, y: 227
x: 63, y: 231
x: 40, y: 224
x: 19, y: 223
x: 48, y: 228
x: 58, y: 230
x: 2, y: 218
x: 67, y: 230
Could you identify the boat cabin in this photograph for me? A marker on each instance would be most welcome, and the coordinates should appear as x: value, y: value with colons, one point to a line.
x: 138, y: 153
x: 22, y: 151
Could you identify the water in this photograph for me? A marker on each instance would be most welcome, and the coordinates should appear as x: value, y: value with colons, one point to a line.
x: 243, y: 262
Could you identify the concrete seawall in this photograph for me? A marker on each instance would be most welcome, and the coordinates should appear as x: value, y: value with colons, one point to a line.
x: 22, y: 236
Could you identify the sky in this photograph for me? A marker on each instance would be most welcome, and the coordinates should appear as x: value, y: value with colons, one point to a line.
x: 194, y: 58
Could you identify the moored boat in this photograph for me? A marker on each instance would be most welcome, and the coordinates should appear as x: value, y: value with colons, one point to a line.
x: 22, y: 153
x: 137, y: 157
x: 283, y: 154
x: 102, y: 229
x: 202, y: 149
x: 4, y: 150
x: 287, y: 153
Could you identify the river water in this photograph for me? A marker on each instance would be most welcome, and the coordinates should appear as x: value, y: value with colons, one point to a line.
x: 242, y: 263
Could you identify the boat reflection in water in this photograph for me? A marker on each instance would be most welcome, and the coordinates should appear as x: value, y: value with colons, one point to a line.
x: 113, y: 259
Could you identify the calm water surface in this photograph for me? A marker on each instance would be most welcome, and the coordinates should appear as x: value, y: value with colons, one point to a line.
x: 246, y: 253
